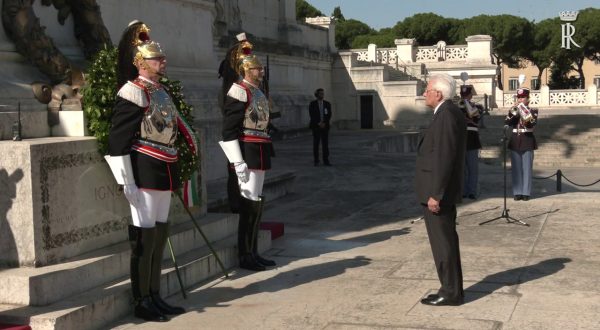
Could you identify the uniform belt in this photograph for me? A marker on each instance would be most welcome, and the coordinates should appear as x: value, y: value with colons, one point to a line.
x: 522, y: 130
x: 255, y: 139
x: 154, y: 150
x: 471, y: 128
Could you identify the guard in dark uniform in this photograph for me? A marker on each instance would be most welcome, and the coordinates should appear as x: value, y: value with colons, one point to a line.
x: 472, y: 112
x: 248, y: 147
x: 522, y: 143
x: 143, y: 159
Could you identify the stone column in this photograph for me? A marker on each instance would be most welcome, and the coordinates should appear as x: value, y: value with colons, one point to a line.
x: 406, y: 50
x: 372, y: 53
x: 479, y: 48
x: 592, y: 95
x: 329, y: 24
x: 544, y: 96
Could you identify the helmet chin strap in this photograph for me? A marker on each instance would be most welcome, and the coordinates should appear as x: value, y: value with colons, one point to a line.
x: 150, y: 70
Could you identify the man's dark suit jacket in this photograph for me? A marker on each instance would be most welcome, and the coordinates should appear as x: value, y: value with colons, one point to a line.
x: 315, y: 114
x: 441, y: 157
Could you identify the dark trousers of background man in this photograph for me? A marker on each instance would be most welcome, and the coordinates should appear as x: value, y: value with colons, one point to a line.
x: 321, y: 134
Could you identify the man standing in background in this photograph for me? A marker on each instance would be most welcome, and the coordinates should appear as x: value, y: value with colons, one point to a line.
x: 320, y: 115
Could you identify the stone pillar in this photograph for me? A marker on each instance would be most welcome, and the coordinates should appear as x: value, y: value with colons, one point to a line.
x: 479, y: 48
x: 372, y: 53
x: 592, y: 95
x: 329, y: 24
x: 405, y: 49
x: 544, y: 96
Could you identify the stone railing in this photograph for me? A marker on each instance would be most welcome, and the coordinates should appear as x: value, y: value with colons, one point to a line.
x: 441, y: 52
x: 478, y: 49
x: 555, y: 98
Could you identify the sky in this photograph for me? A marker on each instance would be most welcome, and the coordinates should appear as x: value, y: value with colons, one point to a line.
x: 386, y: 13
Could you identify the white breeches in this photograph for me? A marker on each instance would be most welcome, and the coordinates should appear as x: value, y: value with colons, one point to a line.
x: 254, y: 187
x: 154, y: 207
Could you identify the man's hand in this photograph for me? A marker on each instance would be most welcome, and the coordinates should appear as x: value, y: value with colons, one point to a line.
x: 322, y: 125
x: 132, y: 193
x: 241, y: 170
x: 433, y: 205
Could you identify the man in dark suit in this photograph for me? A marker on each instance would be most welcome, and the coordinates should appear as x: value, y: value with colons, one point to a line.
x: 439, y: 181
x: 320, y: 115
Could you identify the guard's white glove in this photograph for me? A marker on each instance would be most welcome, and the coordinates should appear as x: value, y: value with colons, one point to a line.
x: 132, y: 194
x: 241, y: 169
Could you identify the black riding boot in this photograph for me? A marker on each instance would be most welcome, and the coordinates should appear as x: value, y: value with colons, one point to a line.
x: 245, y: 231
x: 142, y: 246
x: 255, y: 229
x: 162, y: 234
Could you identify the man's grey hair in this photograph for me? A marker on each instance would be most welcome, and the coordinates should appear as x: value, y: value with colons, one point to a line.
x: 445, y: 84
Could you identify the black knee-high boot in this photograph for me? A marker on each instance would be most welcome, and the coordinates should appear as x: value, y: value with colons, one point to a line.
x: 162, y: 234
x: 142, y: 247
x: 255, y: 229
x: 245, y: 232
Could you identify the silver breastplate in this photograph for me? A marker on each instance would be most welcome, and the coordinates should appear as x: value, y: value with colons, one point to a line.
x: 159, y: 124
x: 256, y: 116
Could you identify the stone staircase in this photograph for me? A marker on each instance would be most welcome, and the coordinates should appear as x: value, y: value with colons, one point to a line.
x: 93, y: 290
x: 564, y: 139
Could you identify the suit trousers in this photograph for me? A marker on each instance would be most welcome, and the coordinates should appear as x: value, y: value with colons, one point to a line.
x: 322, y: 135
x: 522, y: 171
x: 441, y: 229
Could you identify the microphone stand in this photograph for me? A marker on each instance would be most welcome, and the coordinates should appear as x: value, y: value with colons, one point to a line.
x: 505, y: 215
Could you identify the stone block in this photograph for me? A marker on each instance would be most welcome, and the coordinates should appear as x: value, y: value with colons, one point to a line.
x: 71, y: 123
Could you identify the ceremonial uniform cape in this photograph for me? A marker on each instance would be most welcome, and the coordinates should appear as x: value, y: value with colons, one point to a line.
x: 523, y: 139
x: 152, y: 168
x: 246, y: 119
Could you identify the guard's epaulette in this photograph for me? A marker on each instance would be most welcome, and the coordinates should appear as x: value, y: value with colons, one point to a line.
x: 134, y: 94
x: 238, y: 92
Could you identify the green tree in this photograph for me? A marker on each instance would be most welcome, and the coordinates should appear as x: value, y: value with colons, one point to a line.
x: 380, y: 39
x: 305, y: 9
x: 546, y: 44
x: 427, y: 28
x: 346, y: 31
x: 587, y: 35
x: 337, y: 14
x: 512, y: 37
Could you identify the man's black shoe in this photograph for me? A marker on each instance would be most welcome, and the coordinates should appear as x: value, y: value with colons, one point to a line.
x: 327, y: 163
x: 316, y: 163
x: 471, y: 196
x: 525, y: 198
x: 441, y: 301
x: 518, y: 197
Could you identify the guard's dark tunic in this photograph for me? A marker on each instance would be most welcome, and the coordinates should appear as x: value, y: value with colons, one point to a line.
x: 246, y: 118
x: 146, y: 131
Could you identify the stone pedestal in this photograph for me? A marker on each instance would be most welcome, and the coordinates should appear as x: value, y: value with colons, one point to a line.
x: 479, y: 48
x: 71, y: 123
x: 405, y: 49
x: 61, y: 201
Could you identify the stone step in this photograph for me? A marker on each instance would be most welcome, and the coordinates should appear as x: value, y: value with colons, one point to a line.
x: 100, y: 306
x: 45, y: 285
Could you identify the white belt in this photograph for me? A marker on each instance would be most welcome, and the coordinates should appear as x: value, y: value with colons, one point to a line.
x: 522, y: 130
x: 470, y: 128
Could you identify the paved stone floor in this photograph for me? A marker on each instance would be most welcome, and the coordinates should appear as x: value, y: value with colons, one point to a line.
x: 351, y: 258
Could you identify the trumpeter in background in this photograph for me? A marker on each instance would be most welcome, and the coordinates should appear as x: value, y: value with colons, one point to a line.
x: 522, y: 143
x: 473, y: 113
